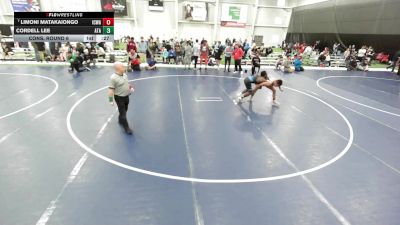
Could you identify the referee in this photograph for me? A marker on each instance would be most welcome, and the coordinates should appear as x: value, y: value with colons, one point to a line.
x: 120, y: 90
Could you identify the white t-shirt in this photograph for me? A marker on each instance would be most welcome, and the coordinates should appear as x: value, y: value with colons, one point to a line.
x: 196, y: 49
x: 328, y: 57
x: 308, y: 50
x: 361, y: 52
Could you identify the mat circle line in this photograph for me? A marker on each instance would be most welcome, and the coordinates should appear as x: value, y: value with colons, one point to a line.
x: 37, y: 102
x: 203, y: 180
x: 352, y: 101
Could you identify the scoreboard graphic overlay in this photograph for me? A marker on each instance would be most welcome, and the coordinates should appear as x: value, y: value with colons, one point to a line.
x: 64, y: 26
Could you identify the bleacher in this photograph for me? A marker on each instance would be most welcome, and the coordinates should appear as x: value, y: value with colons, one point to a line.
x: 270, y: 60
x: 22, y: 54
x: 117, y: 55
x: 27, y: 54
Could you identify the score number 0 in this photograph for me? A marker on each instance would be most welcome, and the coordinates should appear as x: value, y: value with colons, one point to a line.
x: 108, y: 21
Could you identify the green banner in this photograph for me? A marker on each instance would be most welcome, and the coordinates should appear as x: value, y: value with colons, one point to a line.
x: 234, y: 12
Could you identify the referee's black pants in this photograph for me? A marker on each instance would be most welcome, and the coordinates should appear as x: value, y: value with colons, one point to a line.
x: 122, y: 104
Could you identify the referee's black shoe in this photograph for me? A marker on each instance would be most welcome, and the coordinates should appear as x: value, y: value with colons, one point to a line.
x: 128, y: 131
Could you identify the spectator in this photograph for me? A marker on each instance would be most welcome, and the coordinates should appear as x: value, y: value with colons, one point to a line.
x: 352, y: 49
x: 100, y: 52
x: 352, y: 64
x: 41, y: 49
x: 168, y: 46
x: 307, y: 51
x: 255, y: 63
x: 347, y: 53
x: 35, y: 49
x: 131, y: 56
x: 394, y: 62
x: 279, y: 62
x: 153, y: 47
x: 187, y: 59
x: 268, y: 51
x: 361, y: 53
x: 171, y: 55
x: 204, y: 52
x: 218, y: 50
x: 164, y: 55
x: 327, y: 58
x: 237, y: 56
x: 228, y: 42
x: 135, y: 63
x: 80, y: 47
x: 254, y: 49
x: 321, y: 60
x: 324, y: 58
x: 179, y: 53
x: 370, y: 54
x: 335, y: 48
x: 149, y: 55
x: 196, y: 52
x: 143, y: 45
x: 347, y: 57
x: 2, y: 55
x: 6, y: 50
x: 228, y: 56
x: 108, y: 47
x: 246, y: 47
x: 87, y: 57
x: 298, y: 64
x: 301, y: 48
x: 150, y: 61
x: 64, y: 51
x: 158, y: 43
x: 55, y: 50
x: 287, y: 65
x: 364, y: 64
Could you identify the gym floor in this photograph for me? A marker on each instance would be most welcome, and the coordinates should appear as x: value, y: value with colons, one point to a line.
x: 327, y: 154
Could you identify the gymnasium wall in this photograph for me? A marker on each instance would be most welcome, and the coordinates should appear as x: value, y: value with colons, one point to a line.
x: 359, y: 22
x: 270, y: 18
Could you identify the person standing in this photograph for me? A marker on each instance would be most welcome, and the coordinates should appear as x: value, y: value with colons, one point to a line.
x: 119, y: 90
x: 196, y: 52
x: 395, y: 60
x: 204, y: 52
x: 218, y: 50
x: 335, y: 48
x: 187, y: 59
x: 178, y: 52
x: 41, y: 49
x: 143, y: 45
x: 131, y: 45
x: 255, y: 63
x: 237, y: 56
x: 228, y: 56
